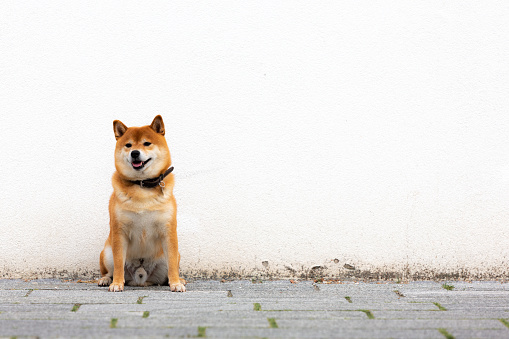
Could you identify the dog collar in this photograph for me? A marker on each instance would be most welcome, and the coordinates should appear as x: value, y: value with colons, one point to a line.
x: 150, y: 183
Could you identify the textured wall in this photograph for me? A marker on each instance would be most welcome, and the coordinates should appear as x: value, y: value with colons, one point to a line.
x: 374, y: 133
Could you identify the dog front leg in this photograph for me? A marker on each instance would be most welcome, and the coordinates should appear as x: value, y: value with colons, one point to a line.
x: 172, y: 253
x: 119, y: 248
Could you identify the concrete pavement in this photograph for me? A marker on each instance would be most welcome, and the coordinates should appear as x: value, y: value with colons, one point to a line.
x: 270, y: 309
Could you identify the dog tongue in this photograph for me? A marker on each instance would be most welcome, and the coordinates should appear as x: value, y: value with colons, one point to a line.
x: 137, y: 164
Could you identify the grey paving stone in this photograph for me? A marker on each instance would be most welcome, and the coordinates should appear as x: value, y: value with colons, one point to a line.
x: 43, y: 309
x: 306, y: 315
x: 47, y: 327
x: 34, y: 312
x: 392, y: 323
x: 462, y: 314
x: 84, y: 328
x: 283, y: 305
x: 478, y: 334
x: 46, y: 284
x: 12, y: 295
x: 80, y: 296
x: 202, y: 320
x: 34, y: 308
x: 457, y: 294
x: 320, y: 333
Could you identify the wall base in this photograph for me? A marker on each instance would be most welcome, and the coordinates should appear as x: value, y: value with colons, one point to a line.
x: 345, y: 272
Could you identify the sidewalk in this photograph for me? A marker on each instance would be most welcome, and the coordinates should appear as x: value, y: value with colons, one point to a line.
x: 271, y: 309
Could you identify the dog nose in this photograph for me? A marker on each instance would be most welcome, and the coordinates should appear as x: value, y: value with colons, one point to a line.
x: 141, y: 275
x: 135, y: 154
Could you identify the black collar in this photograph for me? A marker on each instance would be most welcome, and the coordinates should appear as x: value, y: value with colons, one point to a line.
x: 149, y: 183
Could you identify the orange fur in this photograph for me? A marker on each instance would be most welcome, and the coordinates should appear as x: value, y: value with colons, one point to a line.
x: 143, y: 221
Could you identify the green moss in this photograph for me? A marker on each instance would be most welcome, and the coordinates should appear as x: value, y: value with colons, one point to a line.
x: 257, y: 307
x: 75, y: 308
x: 146, y: 314
x: 368, y: 314
x: 348, y: 299
x: 448, y: 287
x: 202, y: 332
x: 140, y: 300
x: 272, y: 322
x: 113, y: 323
x: 505, y: 322
x: 440, y: 307
x: 446, y: 334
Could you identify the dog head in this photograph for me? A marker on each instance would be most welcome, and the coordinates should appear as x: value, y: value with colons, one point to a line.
x: 141, y: 152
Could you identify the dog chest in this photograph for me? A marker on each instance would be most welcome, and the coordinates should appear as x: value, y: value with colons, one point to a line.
x: 144, y: 232
x: 145, y: 224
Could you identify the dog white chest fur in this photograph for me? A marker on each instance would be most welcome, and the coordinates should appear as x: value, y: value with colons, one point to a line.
x: 144, y: 230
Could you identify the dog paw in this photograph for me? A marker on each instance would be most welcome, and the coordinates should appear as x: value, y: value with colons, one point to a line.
x: 104, y: 281
x: 177, y: 287
x: 115, y: 287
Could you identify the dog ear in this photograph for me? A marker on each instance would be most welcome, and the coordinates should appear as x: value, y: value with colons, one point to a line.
x: 158, y: 125
x: 119, y: 128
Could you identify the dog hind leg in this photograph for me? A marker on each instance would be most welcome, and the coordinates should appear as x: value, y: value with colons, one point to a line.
x: 182, y: 281
x: 106, y: 266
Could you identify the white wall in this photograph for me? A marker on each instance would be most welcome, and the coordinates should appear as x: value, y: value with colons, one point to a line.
x: 375, y: 133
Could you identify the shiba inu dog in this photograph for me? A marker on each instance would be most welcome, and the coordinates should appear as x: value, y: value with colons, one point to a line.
x: 142, y: 247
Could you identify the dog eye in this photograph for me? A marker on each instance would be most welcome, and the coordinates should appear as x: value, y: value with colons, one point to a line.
x: 128, y: 145
x: 147, y: 144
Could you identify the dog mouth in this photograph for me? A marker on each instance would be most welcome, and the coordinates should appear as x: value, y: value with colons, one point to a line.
x: 138, y: 164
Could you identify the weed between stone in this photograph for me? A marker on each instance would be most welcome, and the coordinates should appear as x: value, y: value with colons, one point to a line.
x: 201, y: 332
x: 229, y: 294
x: 113, y: 323
x: 448, y: 287
x: 368, y: 313
x: 272, y: 322
x: 440, y: 307
x: 140, y: 300
x: 257, y: 307
x: 146, y: 314
x: 348, y: 299
x: 504, y: 321
x: 75, y: 307
x: 446, y: 334
x: 28, y: 293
